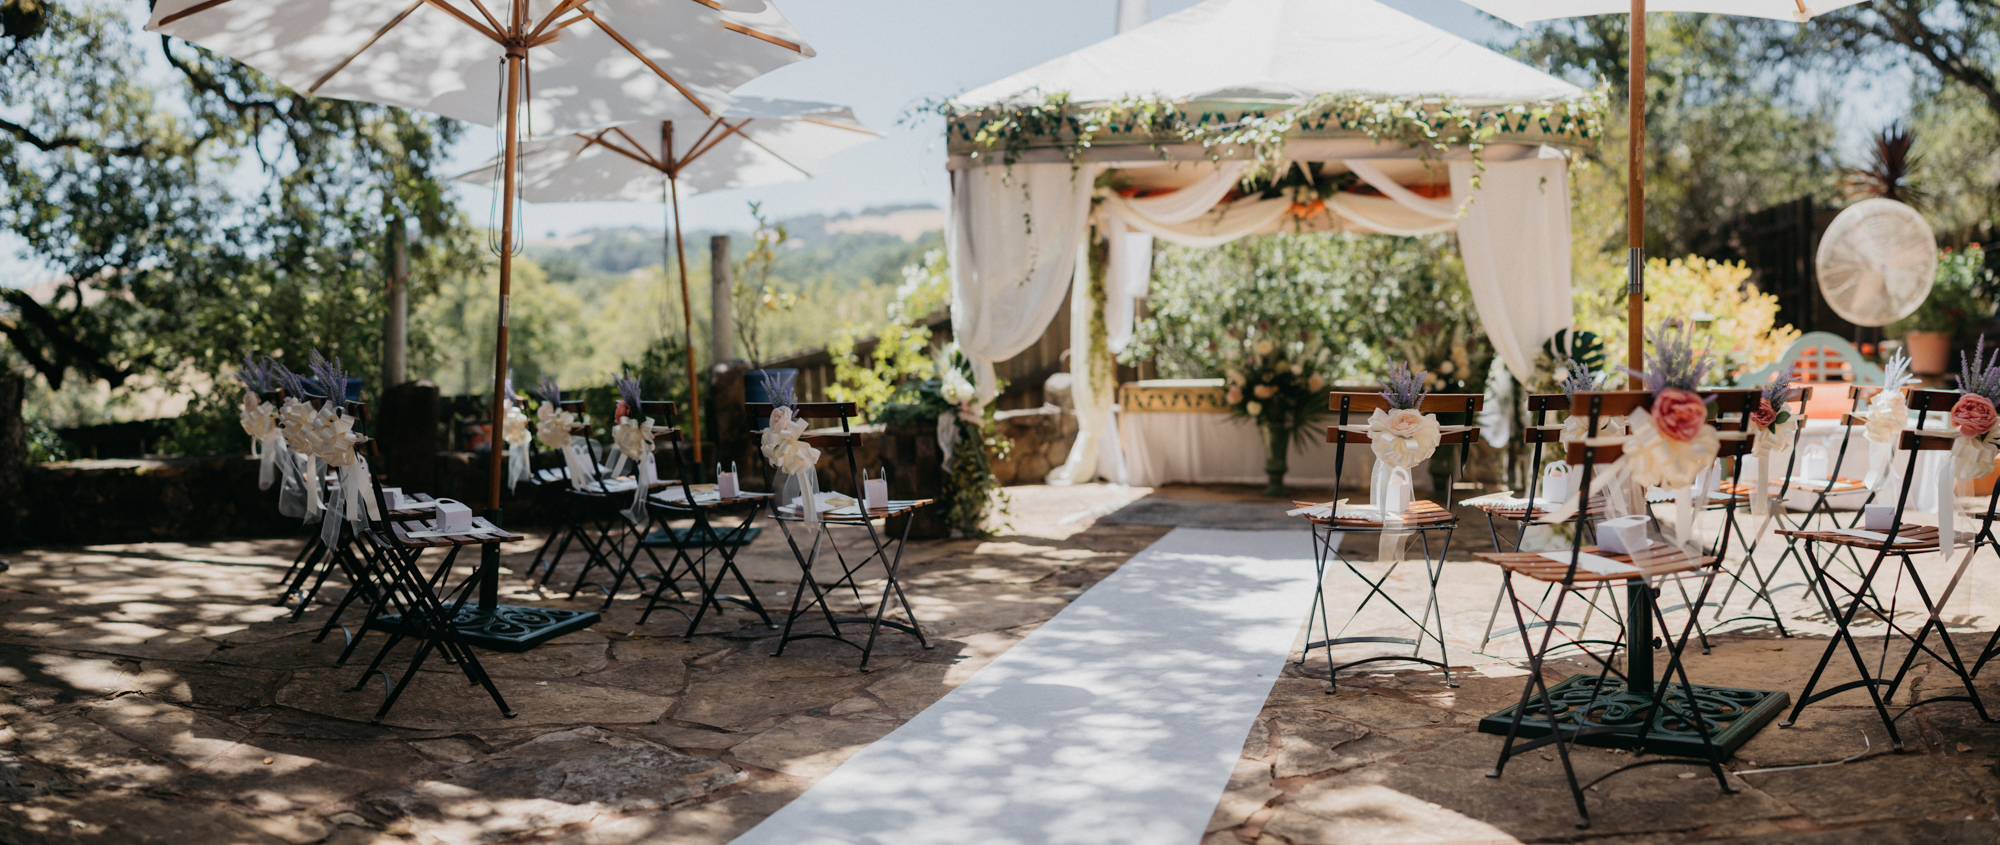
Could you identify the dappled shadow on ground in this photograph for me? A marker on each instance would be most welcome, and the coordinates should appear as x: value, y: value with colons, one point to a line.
x: 150, y: 694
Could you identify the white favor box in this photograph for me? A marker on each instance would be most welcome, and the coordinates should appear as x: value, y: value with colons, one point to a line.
x: 453, y: 516
x: 725, y: 485
x: 1623, y: 536
x: 878, y: 493
x: 1878, y: 517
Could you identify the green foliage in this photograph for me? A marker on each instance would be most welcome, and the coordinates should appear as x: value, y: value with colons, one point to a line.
x: 1961, y: 301
x: 44, y: 444
x: 926, y: 289
x: 753, y: 295
x: 900, y: 353
x: 128, y: 181
x: 1726, y: 129
x: 971, y: 491
x: 211, y: 425
x: 1431, y: 125
x: 1340, y: 306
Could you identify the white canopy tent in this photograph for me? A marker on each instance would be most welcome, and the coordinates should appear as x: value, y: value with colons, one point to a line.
x: 1227, y: 60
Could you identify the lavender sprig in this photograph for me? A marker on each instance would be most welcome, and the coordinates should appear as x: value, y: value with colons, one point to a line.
x: 257, y: 375
x: 1779, y: 390
x: 294, y: 386
x: 1403, y: 387
x: 780, y: 389
x: 548, y: 392
x: 331, y: 377
x: 1581, y: 380
x: 1674, y: 362
x: 1981, y: 374
x: 628, y: 390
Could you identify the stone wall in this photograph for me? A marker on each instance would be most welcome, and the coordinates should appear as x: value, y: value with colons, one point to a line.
x: 1042, y: 438
x: 136, y: 500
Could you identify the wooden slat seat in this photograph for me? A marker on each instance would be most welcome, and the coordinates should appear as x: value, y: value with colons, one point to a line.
x: 1595, y: 510
x: 1422, y: 514
x: 1926, y: 537
x: 1660, y: 559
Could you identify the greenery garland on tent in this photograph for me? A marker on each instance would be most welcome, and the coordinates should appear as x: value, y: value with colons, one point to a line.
x: 1430, y: 125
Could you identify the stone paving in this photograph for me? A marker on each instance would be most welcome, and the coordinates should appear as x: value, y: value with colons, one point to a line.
x: 150, y: 694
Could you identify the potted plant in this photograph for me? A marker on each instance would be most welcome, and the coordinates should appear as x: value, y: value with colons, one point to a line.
x: 1959, y: 305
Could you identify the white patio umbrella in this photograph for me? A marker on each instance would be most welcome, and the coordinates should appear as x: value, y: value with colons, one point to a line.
x: 753, y: 143
x: 1524, y: 12
x: 561, y: 64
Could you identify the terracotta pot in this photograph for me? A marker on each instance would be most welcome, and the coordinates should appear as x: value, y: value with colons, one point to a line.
x: 1930, y: 352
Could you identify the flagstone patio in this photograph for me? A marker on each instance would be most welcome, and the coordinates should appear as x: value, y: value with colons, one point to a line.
x: 149, y: 694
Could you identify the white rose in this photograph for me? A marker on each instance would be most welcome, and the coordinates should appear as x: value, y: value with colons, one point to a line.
x: 1255, y: 408
x: 1403, y: 437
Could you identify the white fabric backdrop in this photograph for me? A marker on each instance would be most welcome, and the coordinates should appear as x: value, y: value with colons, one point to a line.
x: 1515, y: 239
x: 1210, y: 448
x: 1007, y: 278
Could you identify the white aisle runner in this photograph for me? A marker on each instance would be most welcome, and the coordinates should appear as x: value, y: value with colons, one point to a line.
x: 1118, y: 721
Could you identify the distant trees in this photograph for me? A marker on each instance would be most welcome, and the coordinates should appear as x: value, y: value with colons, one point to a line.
x: 201, y: 213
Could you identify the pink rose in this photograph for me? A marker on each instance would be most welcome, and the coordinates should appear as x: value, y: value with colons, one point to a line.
x: 621, y: 411
x: 1235, y: 394
x: 1679, y: 414
x: 1973, y: 415
x: 1265, y: 391
x: 1765, y: 415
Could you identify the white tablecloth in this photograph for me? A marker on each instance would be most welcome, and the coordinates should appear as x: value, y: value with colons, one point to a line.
x: 1164, y: 447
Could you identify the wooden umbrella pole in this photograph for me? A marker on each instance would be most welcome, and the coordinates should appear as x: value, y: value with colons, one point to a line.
x: 516, y: 54
x: 687, y: 305
x: 1635, y: 202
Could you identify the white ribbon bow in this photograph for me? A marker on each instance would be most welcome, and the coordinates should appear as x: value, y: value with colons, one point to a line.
x: 634, y: 438
x: 785, y: 449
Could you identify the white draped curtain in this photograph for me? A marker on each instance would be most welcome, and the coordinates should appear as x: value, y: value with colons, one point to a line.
x: 1017, y: 243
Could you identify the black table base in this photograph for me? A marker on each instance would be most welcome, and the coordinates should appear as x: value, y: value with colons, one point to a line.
x: 507, y: 627
x: 1593, y: 702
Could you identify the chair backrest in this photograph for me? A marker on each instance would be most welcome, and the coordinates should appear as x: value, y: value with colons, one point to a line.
x: 1345, y: 404
x: 844, y: 440
x: 1732, y: 406
x: 1587, y: 458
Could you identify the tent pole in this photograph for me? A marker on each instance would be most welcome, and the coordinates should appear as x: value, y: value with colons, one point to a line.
x: 1635, y: 202
x: 516, y: 54
x: 687, y: 306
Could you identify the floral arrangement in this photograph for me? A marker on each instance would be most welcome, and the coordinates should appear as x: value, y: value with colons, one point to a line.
x: 329, y: 432
x: 633, y: 435
x: 553, y: 423
x: 1772, y: 420
x: 260, y: 419
x: 965, y: 431
x: 1672, y: 442
x: 1267, y: 384
x: 1973, y: 415
x: 516, y: 433
x: 1403, y: 436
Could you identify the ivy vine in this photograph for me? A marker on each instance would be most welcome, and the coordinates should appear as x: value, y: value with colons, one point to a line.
x: 1431, y: 125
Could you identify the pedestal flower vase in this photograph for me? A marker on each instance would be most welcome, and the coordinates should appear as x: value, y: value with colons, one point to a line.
x: 1277, y: 448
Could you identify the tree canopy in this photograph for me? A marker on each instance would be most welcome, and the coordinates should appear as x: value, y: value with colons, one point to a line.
x: 194, y: 209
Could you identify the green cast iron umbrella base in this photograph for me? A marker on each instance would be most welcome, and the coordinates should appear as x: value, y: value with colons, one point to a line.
x: 1732, y: 716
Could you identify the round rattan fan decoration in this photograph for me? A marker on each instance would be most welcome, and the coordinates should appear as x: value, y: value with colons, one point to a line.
x: 1876, y: 262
